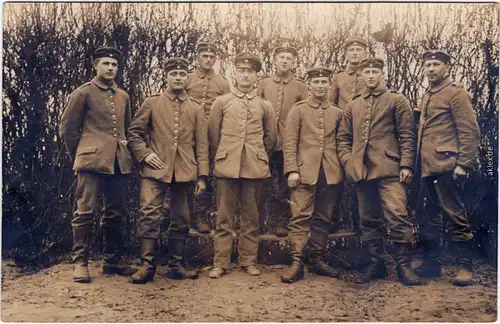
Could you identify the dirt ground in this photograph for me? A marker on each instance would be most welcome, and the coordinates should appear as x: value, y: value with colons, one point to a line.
x: 51, y: 296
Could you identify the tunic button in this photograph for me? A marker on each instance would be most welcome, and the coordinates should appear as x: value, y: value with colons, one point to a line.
x: 114, y: 128
x: 114, y: 116
x: 114, y: 121
x: 175, y: 131
x: 114, y: 135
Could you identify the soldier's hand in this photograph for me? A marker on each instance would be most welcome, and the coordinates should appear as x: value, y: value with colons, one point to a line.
x: 459, y: 173
x: 200, y: 187
x: 154, y: 161
x: 293, y: 180
x: 405, y: 175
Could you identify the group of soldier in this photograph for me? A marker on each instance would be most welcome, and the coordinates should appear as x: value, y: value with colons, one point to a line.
x: 200, y: 134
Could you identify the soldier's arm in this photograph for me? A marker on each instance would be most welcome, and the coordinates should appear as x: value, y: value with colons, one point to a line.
x: 128, y: 113
x: 137, y: 131
x: 260, y: 89
x: 291, y: 139
x: 201, y: 139
x: 270, y: 128
x: 70, y: 128
x: 344, y: 136
x: 467, y: 129
x: 405, y: 124
x: 214, y: 126
x: 333, y: 91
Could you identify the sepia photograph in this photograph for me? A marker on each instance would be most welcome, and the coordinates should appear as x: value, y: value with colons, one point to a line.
x: 249, y: 162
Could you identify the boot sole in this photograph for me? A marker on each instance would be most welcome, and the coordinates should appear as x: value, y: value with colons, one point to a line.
x: 462, y: 284
x: 81, y: 280
x: 292, y: 280
x: 322, y: 274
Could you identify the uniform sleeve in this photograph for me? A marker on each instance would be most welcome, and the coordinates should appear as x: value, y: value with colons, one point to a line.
x: 128, y: 113
x: 270, y: 128
x: 344, y: 136
x: 333, y: 92
x: 467, y: 129
x: 137, y: 131
x: 70, y: 128
x: 405, y: 124
x: 214, y: 126
x: 201, y: 142
x: 292, y: 131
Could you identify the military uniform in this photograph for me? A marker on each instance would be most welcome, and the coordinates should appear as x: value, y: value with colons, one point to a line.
x: 448, y: 136
x: 172, y: 122
x: 310, y: 149
x: 204, y: 87
x: 93, y: 128
x: 344, y: 86
x: 375, y: 141
x: 242, y: 134
x: 283, y: 92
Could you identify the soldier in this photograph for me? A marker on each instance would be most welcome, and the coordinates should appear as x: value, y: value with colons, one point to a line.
x: 314, y: 174
x: 376, y: 143
x: 242, y: 134
x: 93, y: 128
x: 173, y: 122
x: 346, y: 84
x: 448, y: 143
x: 283, y: 90
x: 204, y: 85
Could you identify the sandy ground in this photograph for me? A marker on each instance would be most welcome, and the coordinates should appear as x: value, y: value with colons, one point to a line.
x: 51, y: 296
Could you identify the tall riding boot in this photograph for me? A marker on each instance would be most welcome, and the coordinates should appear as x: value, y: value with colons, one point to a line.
x: 464, y: 275
x: 377, y: 268
x: 112, y: 245
x: 430, y: 266
x: 176, y: 269
x: 317, y: 264
x: 146, y: 271
x: 296, y: 270
x: 405, y: 273
x: 82, y: 236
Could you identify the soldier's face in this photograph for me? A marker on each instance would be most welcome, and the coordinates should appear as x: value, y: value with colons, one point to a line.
x: 435, y: 70
x: 206, y: 60
x: 319, y: 86
x: 106, y: 68
x: 245, y: 76
x: 177, y: 79
x: 372, y: 77
x: 284, y: 62
x: 355, y: 54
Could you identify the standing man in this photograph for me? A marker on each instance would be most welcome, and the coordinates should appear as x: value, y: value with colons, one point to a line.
x: 204, y: 85
x: 93, y: 128
x: 173, y: 122
x: 376, y: 143
x: 344, y: 86
x: 314, y: 175
x: 348, y: 83
x: 283, y: 90
x: 242, y: 135
x: 448, y: 144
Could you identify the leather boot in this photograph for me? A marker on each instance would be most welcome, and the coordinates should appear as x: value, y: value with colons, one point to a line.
x: 464, y: 276
x: 146, y: 271
x: 318, y: 266
x: 405, y: 273
x: 82, y: 236
x: 296, y: 270
x: 175, y: 269
x: 377, y: 268
x: 430, y: 266
x: 112, y: 244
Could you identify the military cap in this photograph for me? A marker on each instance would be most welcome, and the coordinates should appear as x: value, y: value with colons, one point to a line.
x: 206, y: 47
x: 107, y: 52
x: 355, y: 40
x: 285, y: 47
x: 319, y: 71
x: 176, y: 63
x: 248, y: 58
x: 437, y: 55
x: 372, y: 62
